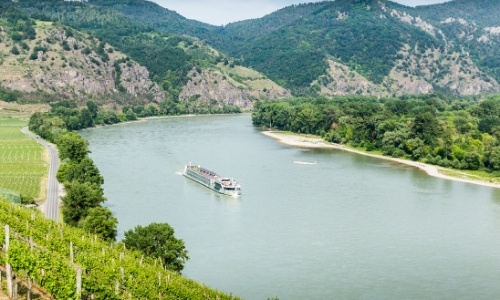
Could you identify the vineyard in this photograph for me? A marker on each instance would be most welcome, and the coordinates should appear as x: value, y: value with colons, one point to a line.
x: 22, y: 165
x: 51, y: 255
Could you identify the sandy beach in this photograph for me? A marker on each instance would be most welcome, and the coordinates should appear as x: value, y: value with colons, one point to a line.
x: 300, y: 141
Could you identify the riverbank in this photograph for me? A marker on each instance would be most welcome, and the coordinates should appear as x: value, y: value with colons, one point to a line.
x: 145, y: 119
x: 310, y: 141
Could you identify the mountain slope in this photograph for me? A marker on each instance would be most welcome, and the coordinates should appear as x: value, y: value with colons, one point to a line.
x: 368, y: 37
x: 169, y: 59
x: 47, y: 57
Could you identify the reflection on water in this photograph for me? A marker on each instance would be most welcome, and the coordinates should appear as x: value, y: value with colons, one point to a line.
x: 349, y: 227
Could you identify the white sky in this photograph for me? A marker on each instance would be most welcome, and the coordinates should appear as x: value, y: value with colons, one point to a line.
x: 221, y: 12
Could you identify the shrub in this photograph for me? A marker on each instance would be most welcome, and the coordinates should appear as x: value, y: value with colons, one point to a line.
x: 14, y: 50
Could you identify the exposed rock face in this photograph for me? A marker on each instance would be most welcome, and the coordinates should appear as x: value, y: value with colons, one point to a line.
x: 344, y: 81
x: 135, y: 80
x: 209, y: 86
x: 72, y: 72
x: 416, y: 73
x: 409, y: 19
x: 213, y: 85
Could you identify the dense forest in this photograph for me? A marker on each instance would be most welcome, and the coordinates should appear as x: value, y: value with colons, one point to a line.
x: 456, y: 133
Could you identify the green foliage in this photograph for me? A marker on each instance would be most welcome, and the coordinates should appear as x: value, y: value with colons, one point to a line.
x: 157, y: 240
x: 79, y: 199
x: 84, y: 171
x: 9, y: 95
x: 71, y: 146
x: 27, y: 200
x: 427, y: 127
x: 100, y: 221
x: 100, y: 260
x: 14, y: 50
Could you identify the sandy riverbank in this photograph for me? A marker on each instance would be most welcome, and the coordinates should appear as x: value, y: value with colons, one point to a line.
x: 300, y: 141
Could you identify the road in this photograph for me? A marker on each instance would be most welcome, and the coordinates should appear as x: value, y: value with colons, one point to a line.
x: 52, y: 203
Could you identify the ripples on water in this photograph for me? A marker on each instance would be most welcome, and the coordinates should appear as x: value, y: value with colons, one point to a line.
x: 349, y: 227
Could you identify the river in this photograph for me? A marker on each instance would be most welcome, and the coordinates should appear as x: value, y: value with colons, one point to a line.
x: 349, y: 227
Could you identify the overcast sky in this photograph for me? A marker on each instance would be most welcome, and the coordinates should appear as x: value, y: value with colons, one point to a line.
x: 221, y: 12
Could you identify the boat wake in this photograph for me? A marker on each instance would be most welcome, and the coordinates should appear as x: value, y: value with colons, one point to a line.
x: 298, y: 162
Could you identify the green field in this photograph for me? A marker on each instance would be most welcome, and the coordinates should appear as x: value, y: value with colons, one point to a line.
x: 22, y: 165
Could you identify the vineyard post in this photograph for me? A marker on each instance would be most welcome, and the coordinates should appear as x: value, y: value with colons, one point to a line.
x: 159, y: 278
x: 15, y: 290
x: 28, y: 293
x: 117, y: 286
x: 78, y: 282
x: 142, y: 258
x: 122, y: 272
x: 71, y: 251
x: 7, y: 265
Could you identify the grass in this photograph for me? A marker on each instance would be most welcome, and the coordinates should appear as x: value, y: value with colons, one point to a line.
x: 472, y: 175
x: 22, y: 163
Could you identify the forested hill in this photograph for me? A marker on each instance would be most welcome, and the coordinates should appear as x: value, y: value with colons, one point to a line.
x: 370, y: 47
x: 181, y: 69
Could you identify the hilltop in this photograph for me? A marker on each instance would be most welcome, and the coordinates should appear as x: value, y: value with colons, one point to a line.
x: 367, y: 47
x: 71, y: 55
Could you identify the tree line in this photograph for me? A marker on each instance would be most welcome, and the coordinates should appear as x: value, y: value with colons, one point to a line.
x: 82, y: 204
x: 457, y: 133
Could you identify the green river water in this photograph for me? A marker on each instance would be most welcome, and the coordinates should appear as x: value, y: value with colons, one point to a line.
x: 349, y: 227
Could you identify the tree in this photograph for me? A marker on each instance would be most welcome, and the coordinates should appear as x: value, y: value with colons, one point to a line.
x: 158, y: 240
x: 72, y: 146
x: 86, y: 118
x: 425, y: 126
x: 100, y: 221
x: 85, y: 171
x: 473, y: 160
x: 79, y: 198
x: 92, y: 107
x: 495, y: 158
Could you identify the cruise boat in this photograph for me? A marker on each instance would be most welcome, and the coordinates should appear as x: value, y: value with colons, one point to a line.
x: 212, y: 180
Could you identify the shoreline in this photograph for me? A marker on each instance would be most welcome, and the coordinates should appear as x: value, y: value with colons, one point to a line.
x: 299, y: 141
x: 145, y: 119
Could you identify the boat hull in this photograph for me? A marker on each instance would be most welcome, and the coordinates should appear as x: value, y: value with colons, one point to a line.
x: 211, y: 184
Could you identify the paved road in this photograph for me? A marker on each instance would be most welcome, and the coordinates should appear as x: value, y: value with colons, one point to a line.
x: 52, y: 203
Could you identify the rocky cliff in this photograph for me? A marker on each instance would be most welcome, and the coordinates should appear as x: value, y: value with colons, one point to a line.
x: 73, y: 64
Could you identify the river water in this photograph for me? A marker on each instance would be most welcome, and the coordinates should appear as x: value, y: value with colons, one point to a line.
x: 350, y: 227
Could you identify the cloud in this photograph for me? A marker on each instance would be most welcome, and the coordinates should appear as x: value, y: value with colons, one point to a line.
x: 221, y: 12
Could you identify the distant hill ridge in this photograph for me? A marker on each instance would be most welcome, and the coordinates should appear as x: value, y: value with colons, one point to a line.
x: 393, y: 49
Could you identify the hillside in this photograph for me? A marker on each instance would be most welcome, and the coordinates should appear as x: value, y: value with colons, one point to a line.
x: 47, y: 57
x: 160, y: 62
x: 389, y: 48
x: 109, y: 271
